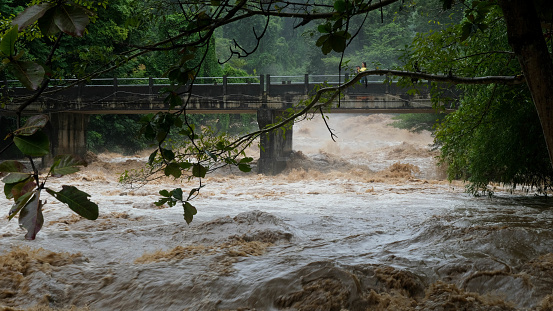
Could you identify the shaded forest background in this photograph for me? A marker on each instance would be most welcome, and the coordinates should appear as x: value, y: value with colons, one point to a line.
x: 284, y: 50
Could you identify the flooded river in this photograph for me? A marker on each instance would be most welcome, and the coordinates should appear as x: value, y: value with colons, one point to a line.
x: 366, y: 223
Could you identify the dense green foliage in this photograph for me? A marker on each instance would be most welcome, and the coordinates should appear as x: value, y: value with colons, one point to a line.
x: 495, y: 135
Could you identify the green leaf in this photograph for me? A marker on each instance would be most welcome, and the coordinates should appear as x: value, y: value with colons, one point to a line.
x: 11, y: 166
x: 199, y: 170
x: 66, y: 164
x: 30, y: 74
x: 244, y: 168
x: 36, y: 145
x: 7, y: 45
x: 162, y: 201
x: 322, y: 40
x: 177, y: 194
x: 17, y: 189
x: 327, y: 47
x: 189, y: 212
x: 32, y: 125
x: 47, y: 24
x: 447, y: 4
x: 185, y: 165
x: 77, y: 200
x: 71, y: 19
x: 466, y: 30
x: 31, y: 15
x: 173, y: 169
x: 324, y: 28
x: 246, y: 160
x: 14, y: 178
x: 211, y: 155
x: 191, y: 193
x: 152, y: 157
x: 165, y: 193
x: 338, y: 43
x: 340, y: 6
x: 167, y: 154
x: 18, y: 205
x: 31, y: 217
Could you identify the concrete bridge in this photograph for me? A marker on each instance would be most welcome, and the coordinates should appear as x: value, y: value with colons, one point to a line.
x: 267, y: 96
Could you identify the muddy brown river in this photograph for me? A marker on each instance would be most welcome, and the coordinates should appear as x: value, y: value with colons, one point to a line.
x: 366, y: 223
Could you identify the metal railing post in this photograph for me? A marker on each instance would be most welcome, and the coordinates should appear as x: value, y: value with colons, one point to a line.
x: 346, y: 79
x: 80, y: 87
x: 261, y: 84
x: 5, y: 81
x: 268, y: 84
x: 225, y: 81
x: 114, y: 86
x: 150, y: 85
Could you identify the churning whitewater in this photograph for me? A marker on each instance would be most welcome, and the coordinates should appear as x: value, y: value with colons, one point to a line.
x: 364, y: 223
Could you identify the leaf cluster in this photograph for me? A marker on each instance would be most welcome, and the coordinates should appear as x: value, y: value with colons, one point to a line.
x: 25, y: 188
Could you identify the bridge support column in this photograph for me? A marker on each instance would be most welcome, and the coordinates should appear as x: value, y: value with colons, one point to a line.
x: 276, y: 146
x: 67, y: 132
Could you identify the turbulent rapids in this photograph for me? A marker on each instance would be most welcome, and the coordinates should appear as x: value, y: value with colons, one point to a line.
x: 366, y: 223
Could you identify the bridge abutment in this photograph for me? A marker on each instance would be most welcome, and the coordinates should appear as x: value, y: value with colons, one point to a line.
x: 276, y: 146
x: 67, y: 132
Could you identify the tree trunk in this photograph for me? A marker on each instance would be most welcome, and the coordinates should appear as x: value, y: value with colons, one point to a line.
x: 527, y: 40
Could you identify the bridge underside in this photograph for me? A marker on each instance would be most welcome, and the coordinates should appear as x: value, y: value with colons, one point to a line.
x: 69, y: 109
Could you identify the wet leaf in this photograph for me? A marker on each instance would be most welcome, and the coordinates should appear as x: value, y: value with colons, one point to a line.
x: 167, y: 154
x: 246, y: 160
x: 211, y: 155
x: 77, y: 200
x: 192, y: 192
x: 244, y: 168
x: 18, y: 205
x: 30, y: 74
x: 340, y: 6
x: 31, y: 15
x: 177, y: 194
x: 19, y: 189
x: 199, y: 170
x: 189, y: 212
x: 7, y: 45
x: 322, y: 40
x: 32, y: 125
x: 338, y: 43
x: 31, y: 217
x: 47, y: 24
x: 36, y: 145
x: 11, y: 166
x: 173, y: 169
x: 152, y: 157
x: 66, y: 164
x: 14, y: 178
x: 71, y: 19
x: 324, y: 28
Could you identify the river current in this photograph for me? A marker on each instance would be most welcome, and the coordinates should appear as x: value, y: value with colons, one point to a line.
x: 364, y: 223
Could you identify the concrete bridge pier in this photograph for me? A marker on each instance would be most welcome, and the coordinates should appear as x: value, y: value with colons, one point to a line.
x: 276, y: 146
x: 67, y: 133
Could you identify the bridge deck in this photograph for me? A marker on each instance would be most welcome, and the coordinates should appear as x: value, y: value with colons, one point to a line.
x: 118, y: 98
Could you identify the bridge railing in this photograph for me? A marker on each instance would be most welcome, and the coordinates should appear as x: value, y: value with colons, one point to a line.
x: 146, y: 88
x: 244, y: 80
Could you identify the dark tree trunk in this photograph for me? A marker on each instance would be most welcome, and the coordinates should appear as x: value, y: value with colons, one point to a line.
x: 527, y: 40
